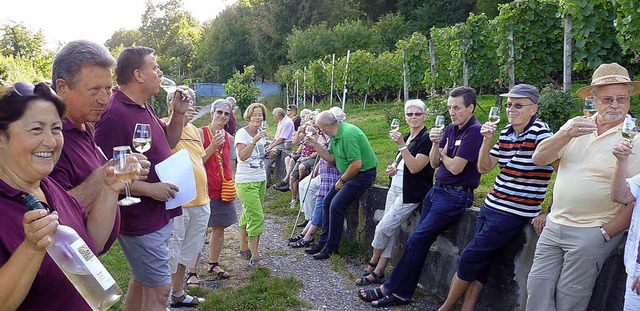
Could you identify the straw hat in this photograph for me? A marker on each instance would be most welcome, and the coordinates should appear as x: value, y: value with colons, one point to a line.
x: 609, y: 74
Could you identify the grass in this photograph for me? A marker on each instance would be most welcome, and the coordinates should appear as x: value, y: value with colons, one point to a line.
x: 263, y: 292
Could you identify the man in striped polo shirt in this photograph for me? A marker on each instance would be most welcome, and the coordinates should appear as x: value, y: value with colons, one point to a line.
x: 516, y: 195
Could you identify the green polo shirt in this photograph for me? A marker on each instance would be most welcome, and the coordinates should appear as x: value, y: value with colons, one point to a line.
x: 351, y: 144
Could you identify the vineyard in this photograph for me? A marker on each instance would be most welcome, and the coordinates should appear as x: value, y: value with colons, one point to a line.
x: 524, y: 43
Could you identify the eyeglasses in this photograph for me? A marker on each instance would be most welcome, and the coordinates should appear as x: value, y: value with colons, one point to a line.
x: 608, y: 100
x: 517, y: 106
x: 219, y: 112
x: 411, y: 114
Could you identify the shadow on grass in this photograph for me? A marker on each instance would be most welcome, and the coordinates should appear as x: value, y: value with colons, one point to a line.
x: 263, y: 292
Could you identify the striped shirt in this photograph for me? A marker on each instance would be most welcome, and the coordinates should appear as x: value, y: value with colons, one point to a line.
x: 521, y: 185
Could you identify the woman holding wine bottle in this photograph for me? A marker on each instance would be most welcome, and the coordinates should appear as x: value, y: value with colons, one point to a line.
x: 411, y: 178
x: 30, y: 144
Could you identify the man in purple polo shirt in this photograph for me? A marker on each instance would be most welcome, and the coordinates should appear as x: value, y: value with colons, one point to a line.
x: 145, y: 228
x: 455, y: 154
x: 81, y: 76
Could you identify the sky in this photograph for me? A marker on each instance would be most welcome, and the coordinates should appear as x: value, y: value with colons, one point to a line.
x: 67, y: 20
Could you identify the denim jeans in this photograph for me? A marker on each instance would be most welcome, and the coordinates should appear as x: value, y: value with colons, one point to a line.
x: 494, y: 230
x: 440, y: 207
x: 335, y: 206
x: 316, y: 220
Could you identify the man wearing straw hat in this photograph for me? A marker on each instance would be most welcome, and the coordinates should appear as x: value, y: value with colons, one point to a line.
x: 584, y: 224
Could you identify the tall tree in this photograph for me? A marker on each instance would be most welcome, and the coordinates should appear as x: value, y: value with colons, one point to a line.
x: 20, y: 45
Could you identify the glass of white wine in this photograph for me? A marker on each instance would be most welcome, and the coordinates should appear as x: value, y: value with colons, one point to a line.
x: 308, y: 130
x: 439, y: 122
x: 589, y: 108
x: 630, y: 128
x: 395, y: 125
x: 142, y: 137
x: 264, y: 125
x: 494, y: 115
x: 125, y: 169
x: 169, y: 86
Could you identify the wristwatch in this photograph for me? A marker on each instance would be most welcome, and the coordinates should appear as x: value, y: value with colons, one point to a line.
x: 606, y: 236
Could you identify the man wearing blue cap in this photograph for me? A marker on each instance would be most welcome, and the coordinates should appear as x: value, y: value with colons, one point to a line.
x: 515, y: 199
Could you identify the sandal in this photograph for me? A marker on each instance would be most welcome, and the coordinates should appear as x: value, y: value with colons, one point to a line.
x: 192, y: 284
x: 370, y: 294
x: 390, y: 301
x: 373, y: 265
x: 221, y: 273
x: 366, y: 281
x: 297, y: 238
x: 185, y: 301
x: 258, y: 262
x: 300, y: 243
x: 246, y: 254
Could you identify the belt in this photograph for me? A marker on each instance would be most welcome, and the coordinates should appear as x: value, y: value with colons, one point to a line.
x: 459, y: 188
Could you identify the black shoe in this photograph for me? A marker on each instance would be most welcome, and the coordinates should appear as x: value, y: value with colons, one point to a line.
x: 314, y: 250
x: 324, y: 254
x: 303, y: 224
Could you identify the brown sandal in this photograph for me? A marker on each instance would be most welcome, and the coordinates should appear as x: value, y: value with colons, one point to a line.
x: 220, y: 272
x: 191, y: 284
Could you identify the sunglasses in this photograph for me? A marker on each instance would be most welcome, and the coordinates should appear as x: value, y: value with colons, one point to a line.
x: 517, y: 106
x: 411, y: 114
x: 608, y: 100
x: 226, y: 114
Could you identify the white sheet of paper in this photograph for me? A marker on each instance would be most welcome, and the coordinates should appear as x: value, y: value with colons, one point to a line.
x: 178, y: 170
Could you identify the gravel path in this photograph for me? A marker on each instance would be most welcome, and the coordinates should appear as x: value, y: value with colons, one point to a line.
x: 324, y: 288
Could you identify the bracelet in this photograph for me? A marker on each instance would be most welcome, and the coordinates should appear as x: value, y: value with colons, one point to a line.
x: 606, y: 236
x: 402, y: 148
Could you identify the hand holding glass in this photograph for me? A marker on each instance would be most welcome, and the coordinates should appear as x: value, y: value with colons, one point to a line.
x: 494, y: 115
x: 170, y: 86
x: 589, y: 108
x: 395, y: 124
x: 264, y: 125
x: 308, y: 130
x: 125, y: 169
x: 142, y: 137
x: 439, y: 122
x: 630, y: 129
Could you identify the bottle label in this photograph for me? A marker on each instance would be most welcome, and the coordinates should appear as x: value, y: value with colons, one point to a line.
x: 92, y: 263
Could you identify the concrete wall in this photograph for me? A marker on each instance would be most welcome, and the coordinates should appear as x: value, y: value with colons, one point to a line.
x: 506, y: 288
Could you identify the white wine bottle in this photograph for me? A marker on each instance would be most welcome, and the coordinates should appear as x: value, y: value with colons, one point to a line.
x: 80, y: 264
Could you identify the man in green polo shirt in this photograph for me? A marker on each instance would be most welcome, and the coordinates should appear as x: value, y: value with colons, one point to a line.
x: 350, y: 151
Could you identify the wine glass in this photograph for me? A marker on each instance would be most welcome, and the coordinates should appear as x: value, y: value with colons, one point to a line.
x: 589, y: 108
x: 168, y: 85
x: 142, y: 137
x: 630, y: 128
x: 308, y: 130
x: 395, y: 124
x: 494, y: 115
x: 439, y: 122
x: 264, y: 125
x: 125, y: 170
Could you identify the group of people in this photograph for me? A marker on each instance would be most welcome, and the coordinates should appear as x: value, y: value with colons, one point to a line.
x: 594, y: 193
x: 595, y: 190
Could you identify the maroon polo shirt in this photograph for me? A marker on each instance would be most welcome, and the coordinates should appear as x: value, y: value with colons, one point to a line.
x: 230, y: 127
x: 50, y: 290
x: 115, y: 128
x: 79, y: 158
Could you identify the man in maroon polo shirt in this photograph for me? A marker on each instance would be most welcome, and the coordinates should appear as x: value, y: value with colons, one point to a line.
x: 81, y: 76
x: 145, y: 228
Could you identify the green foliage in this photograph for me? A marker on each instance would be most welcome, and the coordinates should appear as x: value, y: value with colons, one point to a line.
x: 448, y: 67
x: 18, y: 69
x: 538, y: 44
x: 416, y: 55
x: 479, y: 51
x: 241, y: 87
x: 390, y: 28
x: 489, y: 7
x: 627, y: 23
x: 556, y: 107
x: 24, y: 56
x: 442, y: 13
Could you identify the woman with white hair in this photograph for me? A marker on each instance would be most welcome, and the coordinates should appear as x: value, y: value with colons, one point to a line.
x: 411, y: 179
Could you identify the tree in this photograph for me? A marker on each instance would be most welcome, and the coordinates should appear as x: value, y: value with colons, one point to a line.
x: 19, y: 46
x: 123, y: 38
x: 242, y: 88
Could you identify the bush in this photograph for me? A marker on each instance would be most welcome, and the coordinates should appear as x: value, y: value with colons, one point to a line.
x: 556, y: 107
x: 242, y: 88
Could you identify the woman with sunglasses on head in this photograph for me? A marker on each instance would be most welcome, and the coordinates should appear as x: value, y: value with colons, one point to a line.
x: 411, y: 179
x: 217, y: 143
x: 30, y: 144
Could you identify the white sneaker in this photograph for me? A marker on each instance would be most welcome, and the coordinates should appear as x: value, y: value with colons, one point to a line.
x: 294, y: 203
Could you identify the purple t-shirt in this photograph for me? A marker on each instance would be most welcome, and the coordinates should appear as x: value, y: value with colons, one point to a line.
x: 50, y: 290
x: 115, y: 128
x: 230, y: 127
x: 79, y: 158
x: 464, y: 142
